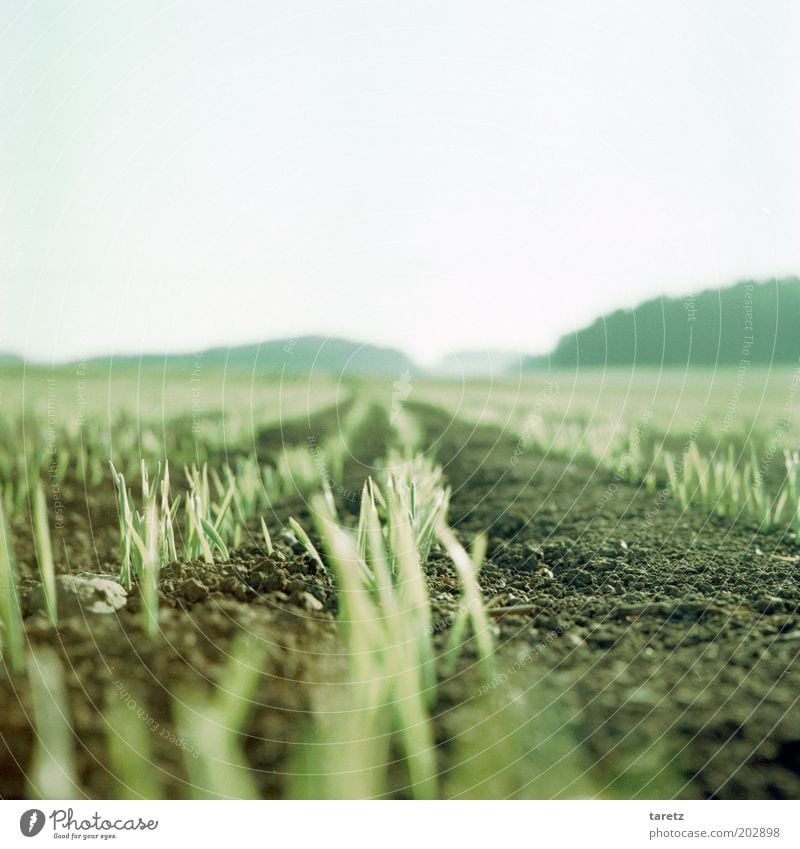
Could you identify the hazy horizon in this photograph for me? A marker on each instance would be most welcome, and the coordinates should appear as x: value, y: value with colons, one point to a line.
x: 429, y: 177
x: 494, y: 360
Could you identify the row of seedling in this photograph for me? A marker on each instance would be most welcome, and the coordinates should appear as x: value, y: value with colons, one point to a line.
x: 210, y: 729
x: 733, y: 488
x: 211, y: 520
x: 147, y: 537
x: 604, y: 445
x: 33, y: 451
x: 386, y: 625
x: 320, y: 463
x: 383, y: 706
x: 12, y: 634
x: 723, y: 482
x: 210, y: 517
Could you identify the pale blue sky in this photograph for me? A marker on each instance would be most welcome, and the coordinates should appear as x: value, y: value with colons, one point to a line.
x: 431, y: 175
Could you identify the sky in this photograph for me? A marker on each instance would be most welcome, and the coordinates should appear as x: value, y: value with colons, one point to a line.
x: 434, y: 175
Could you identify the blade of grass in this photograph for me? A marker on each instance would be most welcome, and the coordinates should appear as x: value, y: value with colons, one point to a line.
x: 217, y: 767
x: 148, y: 551
x: 267, y: 538
x: 51, y: 774
x: 44, y: 554
x: 130, y: 751
x: 10, y: 613
x: 472, y: 599
x: 305, y: 540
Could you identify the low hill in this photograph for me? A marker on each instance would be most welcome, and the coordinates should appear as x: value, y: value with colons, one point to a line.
x: 304, y: 354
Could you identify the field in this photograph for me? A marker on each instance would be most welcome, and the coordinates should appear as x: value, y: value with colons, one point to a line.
x: 556, y: 586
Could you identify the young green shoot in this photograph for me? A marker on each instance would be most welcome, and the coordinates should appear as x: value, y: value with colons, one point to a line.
x: 207, y: 524
x: 44, y: 554
x: 267, y: 538
x: 467, y: 569
x: 51, y: 774
x: 13, y: 634
x: 413, y: 488
x: 729, y: 488
x: 215, y: 725
x: 383, y: 629
x: 304, y: 539
x: 147, y: 548
x: 130, y: 751
x: 792, y: 487
x: 461, y: 620
x: 125, y: 520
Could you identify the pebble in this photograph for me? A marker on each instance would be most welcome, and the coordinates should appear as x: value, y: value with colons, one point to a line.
x: 192, y: 590
x: 311, y: 602
x: 77, y: 594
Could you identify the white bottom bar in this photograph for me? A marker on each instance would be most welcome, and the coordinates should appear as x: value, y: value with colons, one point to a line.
x: 396, y: 824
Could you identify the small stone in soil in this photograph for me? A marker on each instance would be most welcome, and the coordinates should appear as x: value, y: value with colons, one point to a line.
x: 77, y: 594
x: 193, y: 591
x: 311, y: 602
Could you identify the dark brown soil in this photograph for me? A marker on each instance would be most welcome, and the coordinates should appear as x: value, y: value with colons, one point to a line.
x: 673, y: 637
x: 677, y: 633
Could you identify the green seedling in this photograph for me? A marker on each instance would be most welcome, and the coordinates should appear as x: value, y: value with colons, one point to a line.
x: 44, y: 554
x: 267, y: 538
x: 125, y: 514
x: 147, y: 538
x: 346, y: 753
x: 471, y: 608
x: 521, y: 741
x: 380, y: 625
x: 729, y: 489
x: 792, y: 487
x: 207, y: 524
x: 411, y: 589
x: 51, y: 774
x: 255, y: 489
x: 13, y: 635
x: 215, y: 726
x: 130, y: 752
x: 305, y: 540
x: 300, y: 471
x: 413, y: 489
x: 147, y: 549
x: 385, y: 623
x: 458, y: 629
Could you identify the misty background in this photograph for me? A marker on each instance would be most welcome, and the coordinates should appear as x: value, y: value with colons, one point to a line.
x: 431, y: 176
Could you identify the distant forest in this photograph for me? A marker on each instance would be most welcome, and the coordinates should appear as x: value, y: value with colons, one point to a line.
x: 758, y: 322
